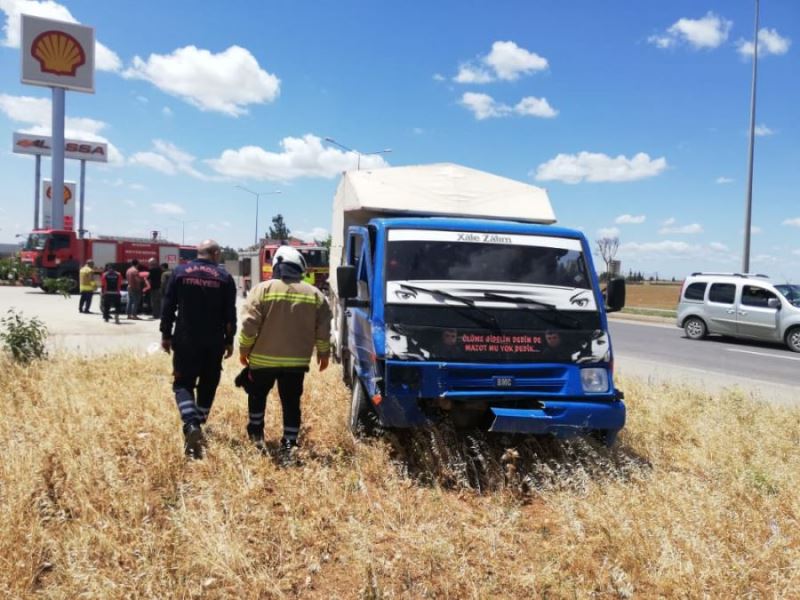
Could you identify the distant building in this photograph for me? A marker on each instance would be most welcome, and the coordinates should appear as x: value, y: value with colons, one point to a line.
x: 8, y: 250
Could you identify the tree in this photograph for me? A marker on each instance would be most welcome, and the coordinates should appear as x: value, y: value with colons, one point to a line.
x: 607, y: 248
x: 326, y: 243
x: 229, y: 253
x: 278, y: 230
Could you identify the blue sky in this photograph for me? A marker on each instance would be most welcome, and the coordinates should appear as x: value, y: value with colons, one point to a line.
x: 632, y: 114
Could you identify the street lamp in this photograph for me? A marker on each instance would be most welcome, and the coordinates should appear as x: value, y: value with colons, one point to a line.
x: 257, y: 195
x: 749, y: 199
x: 360, y: 154
x: 183, y: 227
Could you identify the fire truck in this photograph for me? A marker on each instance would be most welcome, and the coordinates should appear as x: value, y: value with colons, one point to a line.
x: 256, y: 265
x: 60, y: 253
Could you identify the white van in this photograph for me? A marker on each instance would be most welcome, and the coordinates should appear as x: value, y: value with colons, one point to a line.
x: 740, y: 305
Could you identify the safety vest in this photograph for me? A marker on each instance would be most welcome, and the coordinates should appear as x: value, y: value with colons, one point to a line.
x: 87, y: 279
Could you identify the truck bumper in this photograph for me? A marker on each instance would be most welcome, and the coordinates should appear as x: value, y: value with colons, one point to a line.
x: 561, y: 419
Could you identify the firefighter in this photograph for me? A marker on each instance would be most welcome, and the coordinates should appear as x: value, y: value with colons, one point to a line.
x: 112, y: 292
x: 86, y: 282
x: 283, y: 321
x: 204, y: 295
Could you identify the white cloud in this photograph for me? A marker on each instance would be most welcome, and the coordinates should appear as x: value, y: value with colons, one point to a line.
x: 714, y: 251
x: 630, y: 219
x: 762, y: 130
x: 597, y: 167
x: 668, y: 222
x: 167, y: 208
x: 483, y: 106
x: 137, y: 187
x: 765, y: 259
x: 225, y: 82
x: 143, y: 99
x: 167, y: 158
x: 37, y: 114
x: 472, y: 74
x: 299, y: 157
x: 535, y: 107
x: 724, y: 180
x: 317, y: 233
x: 418, y: 131
x: 792, y: 222
x: 796, y: 252
x: 755, y: 230
x: 710, y: 31
x: 509, y: 61
x: 167, y: 111
x: 681, y: 229
x: 608, y: 232
x: 769, y: 42
x: 439, y: 77
x: 105, y: 59
x: 130, y: 203
x: 718, y: 246
x: 506, y: 61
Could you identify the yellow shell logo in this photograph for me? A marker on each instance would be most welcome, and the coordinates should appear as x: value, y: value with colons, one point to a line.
x: 58, y: 53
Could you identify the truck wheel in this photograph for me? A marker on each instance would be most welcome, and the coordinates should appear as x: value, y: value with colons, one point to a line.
x: 793, y: 339
x: 359, y: 421
x: 695, y: 328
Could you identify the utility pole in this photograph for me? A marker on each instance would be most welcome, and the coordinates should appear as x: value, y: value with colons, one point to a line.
x: 749, y: 201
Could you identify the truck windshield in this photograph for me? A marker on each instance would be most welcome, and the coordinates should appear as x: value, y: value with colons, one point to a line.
x: 790, y: 292
x: 480, y: 257
x: 316, y: 257
x: 36, y: 241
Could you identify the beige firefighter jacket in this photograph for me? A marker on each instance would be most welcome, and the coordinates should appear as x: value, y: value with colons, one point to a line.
x: 282, y: 323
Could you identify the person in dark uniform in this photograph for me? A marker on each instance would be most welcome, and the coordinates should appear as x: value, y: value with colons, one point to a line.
x: 203, y: 294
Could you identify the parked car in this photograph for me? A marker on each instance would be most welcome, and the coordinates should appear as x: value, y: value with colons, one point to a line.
x: 740, y: 305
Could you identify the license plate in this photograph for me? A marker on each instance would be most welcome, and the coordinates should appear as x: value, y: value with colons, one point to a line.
x: 503, y: 382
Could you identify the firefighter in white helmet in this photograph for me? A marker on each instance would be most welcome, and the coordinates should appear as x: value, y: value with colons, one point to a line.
x: 283, y: 321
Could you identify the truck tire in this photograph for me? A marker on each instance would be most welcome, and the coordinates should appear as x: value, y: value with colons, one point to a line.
x: 74, y: 279
x: 695, y: 328
x: 359, y: 407
x: 792, y: 339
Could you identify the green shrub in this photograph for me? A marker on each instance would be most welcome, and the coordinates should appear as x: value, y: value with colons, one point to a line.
x: 13, y: 269
x: 61, y: 285
x: 23, y: 338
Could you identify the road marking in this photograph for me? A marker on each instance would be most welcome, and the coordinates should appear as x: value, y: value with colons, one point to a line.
x: 762, y: 354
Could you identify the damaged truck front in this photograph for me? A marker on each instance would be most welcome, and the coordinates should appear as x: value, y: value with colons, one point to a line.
x: 455, y: 297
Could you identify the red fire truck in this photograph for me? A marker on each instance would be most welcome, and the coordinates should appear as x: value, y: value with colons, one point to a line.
x: 60, y: 253
x: 256, y: 265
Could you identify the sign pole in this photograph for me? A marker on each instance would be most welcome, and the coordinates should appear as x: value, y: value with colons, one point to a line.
x: 58, y: 158
x: 81, y: 230
x: 37, y: 187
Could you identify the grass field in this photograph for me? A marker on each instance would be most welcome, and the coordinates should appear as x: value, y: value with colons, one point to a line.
x: 698, y: 499
x: 662, y: 296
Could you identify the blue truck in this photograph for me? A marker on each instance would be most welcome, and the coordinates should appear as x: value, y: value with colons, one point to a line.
x: 456, y: 297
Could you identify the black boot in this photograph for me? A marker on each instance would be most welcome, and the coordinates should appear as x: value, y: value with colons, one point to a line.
x: 287, y: 454
x: 193, y: 440
x: 256, y: 435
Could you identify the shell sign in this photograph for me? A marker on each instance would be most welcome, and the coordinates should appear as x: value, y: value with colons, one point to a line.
x: 69, y: 204
x: 57, y: 54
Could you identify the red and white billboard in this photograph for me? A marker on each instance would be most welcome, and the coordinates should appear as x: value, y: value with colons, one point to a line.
x: 57, y: 54
x: 27, y: 143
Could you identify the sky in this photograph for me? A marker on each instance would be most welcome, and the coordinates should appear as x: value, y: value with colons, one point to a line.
x: 633, y: 115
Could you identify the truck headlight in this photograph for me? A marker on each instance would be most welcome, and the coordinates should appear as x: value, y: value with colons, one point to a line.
x: 594, y: 380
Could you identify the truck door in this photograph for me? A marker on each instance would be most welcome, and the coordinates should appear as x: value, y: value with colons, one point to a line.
x: 755, y: 318
x: 359, y: 327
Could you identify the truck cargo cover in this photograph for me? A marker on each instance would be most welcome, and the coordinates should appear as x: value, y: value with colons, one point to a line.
x: 442, y: 189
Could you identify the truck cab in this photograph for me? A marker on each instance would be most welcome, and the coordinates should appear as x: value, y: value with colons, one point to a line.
x: 492, y: 323
x: 52, y: 253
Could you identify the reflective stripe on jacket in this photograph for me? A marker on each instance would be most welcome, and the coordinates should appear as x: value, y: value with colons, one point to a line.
x: 282, y: 323
x: 86, y: 278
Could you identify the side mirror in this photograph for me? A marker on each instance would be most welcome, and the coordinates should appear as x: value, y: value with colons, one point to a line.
x: 347, y: 282
x: 774, y: 303
x: 615, y: 295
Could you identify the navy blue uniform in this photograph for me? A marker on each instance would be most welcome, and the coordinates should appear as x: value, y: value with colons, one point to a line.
x: 204, y: 296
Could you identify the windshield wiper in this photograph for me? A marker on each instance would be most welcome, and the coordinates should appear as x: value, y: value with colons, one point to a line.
x: 488, y: 320
x: 550, y: 308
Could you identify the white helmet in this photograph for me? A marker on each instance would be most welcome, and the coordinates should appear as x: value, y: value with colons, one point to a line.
x: 289, y: 255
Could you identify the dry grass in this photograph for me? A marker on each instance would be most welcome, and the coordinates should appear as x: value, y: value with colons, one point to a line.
x: 663, y: 296
x: 699, y: 499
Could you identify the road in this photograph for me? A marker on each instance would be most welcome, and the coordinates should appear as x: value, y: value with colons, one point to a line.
x: 662, y: 352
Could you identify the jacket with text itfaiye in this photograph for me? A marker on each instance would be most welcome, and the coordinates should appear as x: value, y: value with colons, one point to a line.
x: 204, y: 295
x: 282, y: 322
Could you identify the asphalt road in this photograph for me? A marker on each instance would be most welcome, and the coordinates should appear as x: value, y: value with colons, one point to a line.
x: 661, y: 351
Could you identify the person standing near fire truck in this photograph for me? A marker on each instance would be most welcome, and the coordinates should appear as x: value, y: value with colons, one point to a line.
x: 112, y: 292
x: 204, y: 296
x: 283, y: 320
x: 135, y: 285
x: 86, y: 282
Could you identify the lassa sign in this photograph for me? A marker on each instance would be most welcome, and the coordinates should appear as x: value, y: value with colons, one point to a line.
x: 25, y: 143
